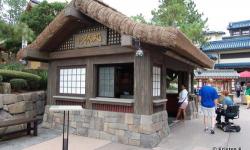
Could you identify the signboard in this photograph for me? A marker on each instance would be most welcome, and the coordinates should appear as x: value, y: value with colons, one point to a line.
x: 91, y: 39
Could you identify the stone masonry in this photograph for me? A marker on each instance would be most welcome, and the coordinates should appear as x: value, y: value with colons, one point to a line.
x: 21, y: 105
x: 125, y: 128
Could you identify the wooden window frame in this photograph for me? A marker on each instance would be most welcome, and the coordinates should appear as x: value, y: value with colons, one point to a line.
x: 115, y: 78
x: 158, y: 66
x: 58, y: 80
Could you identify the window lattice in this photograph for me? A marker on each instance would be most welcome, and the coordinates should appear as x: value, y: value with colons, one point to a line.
x: 68, y: 45
x: 113, y: 37
x: 92, y: 29
x: 156, y: 81
x: 72, y: 80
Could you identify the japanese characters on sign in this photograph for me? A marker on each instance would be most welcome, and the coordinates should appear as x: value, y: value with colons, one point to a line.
x: 91, y: 39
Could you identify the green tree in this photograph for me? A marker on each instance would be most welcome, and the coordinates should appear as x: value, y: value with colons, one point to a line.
x: 139, y: 18
x: 41, y: 15
x: 12, y: 35
x: 183, y: 15
x: 13, y: 10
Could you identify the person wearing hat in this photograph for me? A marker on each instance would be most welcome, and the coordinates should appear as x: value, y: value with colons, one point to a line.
x: 208, y: 97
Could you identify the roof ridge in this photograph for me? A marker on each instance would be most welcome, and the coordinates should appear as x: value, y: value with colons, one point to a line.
x: 99, y: 11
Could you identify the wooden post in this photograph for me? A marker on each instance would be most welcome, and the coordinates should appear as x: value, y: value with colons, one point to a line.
x: 49, y: 85
x: 143, y: 84
x: 28, y: 128
x: 90, y: 83
x: 164, y: 84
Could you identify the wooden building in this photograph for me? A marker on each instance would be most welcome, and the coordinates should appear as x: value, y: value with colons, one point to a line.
x: 223, y: 79
x: 104, y: 61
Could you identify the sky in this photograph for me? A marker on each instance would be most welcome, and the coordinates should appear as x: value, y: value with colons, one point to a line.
x: 218, y: 12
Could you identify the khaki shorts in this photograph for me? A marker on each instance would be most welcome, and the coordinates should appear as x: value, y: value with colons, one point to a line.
x: 248, y: 98
x: 208, y: 112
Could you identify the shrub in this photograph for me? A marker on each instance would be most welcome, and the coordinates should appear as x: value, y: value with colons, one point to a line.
x: 43, y: 74
x: 1, y: 78
x: 14, y: 66
x: 18, y: 84
x: 10, y: 74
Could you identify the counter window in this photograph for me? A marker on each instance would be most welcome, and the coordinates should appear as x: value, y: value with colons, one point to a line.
x: 116, y: 80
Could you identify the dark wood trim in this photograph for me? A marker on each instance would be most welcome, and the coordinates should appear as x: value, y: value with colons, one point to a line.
x: 58, y: 80
x: 93, y: 51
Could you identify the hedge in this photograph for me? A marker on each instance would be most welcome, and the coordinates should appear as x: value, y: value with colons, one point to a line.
x: 10, y: 74
x: 18, y: 84
x: 43, y: 73
x: 12, y: 66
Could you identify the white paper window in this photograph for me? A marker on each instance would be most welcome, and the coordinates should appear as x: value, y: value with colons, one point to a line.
x: 106, y: 82
x: 72, y: 81
x: 156, y: 81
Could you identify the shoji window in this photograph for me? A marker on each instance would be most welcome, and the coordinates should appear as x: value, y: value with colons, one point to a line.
x: 156, y: 81
x: 72, y: 80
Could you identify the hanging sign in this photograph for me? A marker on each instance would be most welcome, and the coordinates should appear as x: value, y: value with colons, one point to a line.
x: 91, y: 39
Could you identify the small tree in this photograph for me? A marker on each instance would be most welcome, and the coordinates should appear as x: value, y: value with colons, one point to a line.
x: 183, y: 15
x: 139, y: 18
x: 41, y: 15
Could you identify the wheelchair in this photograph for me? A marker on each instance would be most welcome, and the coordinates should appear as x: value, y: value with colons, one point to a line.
x: 232, y: 112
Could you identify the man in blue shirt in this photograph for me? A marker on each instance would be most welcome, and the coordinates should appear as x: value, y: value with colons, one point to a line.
x: 208, y: 97
x: 227, y: 101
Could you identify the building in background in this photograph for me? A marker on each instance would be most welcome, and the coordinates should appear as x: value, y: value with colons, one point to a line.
x: 224, y: 79
x: 231, y: 52
x: 214, y: 35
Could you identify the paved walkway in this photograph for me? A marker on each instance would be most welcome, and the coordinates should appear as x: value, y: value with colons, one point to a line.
x: 185, y: 136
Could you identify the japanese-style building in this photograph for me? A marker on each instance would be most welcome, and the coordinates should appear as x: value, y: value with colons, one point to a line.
x: 232, y: 52
x: 224, y: 79
x: 116, y: 69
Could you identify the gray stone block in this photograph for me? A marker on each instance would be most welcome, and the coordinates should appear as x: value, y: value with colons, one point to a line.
x: 5, y: 108
x: 29, y: 105
x: 94, y: 133
x: 98, y: 124
x: 17, y: 108
x: 118, y: 126
x: 146, y: 119
x: 19, y: 97
x: 136, y: 119
x: 26, y: 96
x: 34, y: 96
x: 9, y: 99
x: 82, y: 131
x: 147, y: 141
x: 106, y: 136
x: 113, y: 119
x: 31, y: 113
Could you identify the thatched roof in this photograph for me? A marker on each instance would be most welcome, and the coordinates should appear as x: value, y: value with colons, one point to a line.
x: 168, y: 37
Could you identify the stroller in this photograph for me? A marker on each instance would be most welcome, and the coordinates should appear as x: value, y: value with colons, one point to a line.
x: 232, y: 112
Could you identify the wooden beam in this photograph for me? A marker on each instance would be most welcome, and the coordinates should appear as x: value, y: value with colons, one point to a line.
x: 73, y: 13
x: 36, y: 55
x: 182, y: 59
x: 94, y: 51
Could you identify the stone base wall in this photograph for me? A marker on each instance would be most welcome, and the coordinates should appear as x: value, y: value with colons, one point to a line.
x: 125, y: 128
x: 191, y: 110
x: 14, y: 106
